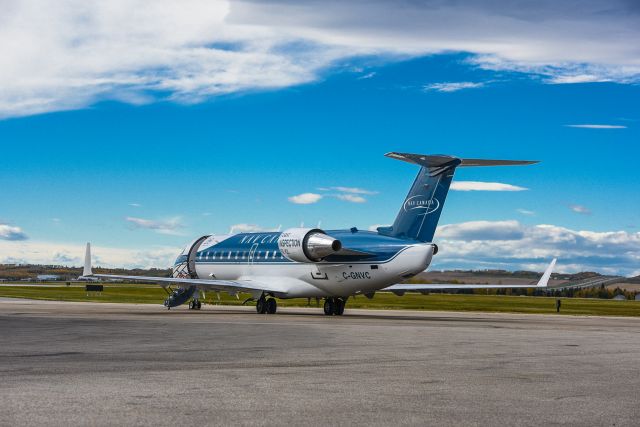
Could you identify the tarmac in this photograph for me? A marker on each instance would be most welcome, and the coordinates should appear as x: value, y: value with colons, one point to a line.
x: 125, y: 364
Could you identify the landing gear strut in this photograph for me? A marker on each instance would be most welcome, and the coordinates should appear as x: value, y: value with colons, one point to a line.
x: 334, y: 306
x: 195, y: 305
x: 266, y: 306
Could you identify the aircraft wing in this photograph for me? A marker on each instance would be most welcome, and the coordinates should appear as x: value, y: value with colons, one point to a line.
x: 242, y: 285
x: 401, y: 289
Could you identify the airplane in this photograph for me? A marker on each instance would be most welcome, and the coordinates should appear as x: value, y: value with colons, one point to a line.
x: 330, y: 264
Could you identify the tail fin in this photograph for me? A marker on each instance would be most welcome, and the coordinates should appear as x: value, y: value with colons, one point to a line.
x: 421, y: 210
x: 87, y: 261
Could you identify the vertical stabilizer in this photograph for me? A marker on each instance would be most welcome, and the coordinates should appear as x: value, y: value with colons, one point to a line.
x: 420, y: 212
x: 87, y: 261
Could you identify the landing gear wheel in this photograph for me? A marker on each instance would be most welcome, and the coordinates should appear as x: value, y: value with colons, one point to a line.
x: 272, y: 306
x: 329, y: 307
x: 261, y: 306
x: 200, y: 305
x: 190, y: 305
x: 339, y: 307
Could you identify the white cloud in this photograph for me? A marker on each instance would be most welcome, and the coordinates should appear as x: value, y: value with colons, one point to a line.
x: 577, y: 78
x: 169, y: 226
x: 352, y: 190
x: 135, y: 205
x: 248, y: 228
x: 71, y: 53
x: 525, y: 212
x: 580, y: 209
x: 351, y: 198
x: 452, y: 86
x: 305, y: 198
x: 11, y: 232
x: 597, y: 126
x: 367, y: 76
x: 511, y: 245
x: 48, y: 253
x: 484, y: 186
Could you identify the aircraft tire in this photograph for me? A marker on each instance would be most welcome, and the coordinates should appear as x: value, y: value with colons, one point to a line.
x: 200, y: 305
x: 272, y: 306
x: 339, y: 307
x: 261, y: 306
x: 329, y: 307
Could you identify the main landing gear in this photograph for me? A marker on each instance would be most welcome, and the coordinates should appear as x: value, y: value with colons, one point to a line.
x: 334, y: 306
x: 195, y: 305
x: 266, y: 305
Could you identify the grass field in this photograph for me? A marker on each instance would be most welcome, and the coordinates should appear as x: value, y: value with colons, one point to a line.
x: 152, y: 294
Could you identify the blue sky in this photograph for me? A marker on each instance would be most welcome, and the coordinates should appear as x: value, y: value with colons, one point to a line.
x: 140, y: 169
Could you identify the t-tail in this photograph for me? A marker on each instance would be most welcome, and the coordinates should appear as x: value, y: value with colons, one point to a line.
x: 420, y: 212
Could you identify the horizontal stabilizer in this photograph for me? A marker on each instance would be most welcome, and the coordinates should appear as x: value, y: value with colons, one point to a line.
x: 438, y: 160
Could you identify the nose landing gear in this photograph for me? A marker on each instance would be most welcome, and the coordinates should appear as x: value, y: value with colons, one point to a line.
x: 334, y: 306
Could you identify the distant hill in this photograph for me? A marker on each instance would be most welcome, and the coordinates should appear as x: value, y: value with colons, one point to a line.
x: 28, y: 271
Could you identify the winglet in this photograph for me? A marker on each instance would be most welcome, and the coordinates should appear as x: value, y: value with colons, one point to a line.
x: 87, y: 261
x: 542, y: 283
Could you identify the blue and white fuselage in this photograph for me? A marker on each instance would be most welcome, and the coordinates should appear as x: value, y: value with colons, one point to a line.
x: 372, y: 262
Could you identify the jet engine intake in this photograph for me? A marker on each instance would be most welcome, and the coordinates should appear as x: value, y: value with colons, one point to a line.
x: 307, y: 244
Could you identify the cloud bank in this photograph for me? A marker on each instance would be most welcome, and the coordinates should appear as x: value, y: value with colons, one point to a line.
x: 468, y: 245
x: 50, y: 253
x: 510, y: 244
x: 72, y: 53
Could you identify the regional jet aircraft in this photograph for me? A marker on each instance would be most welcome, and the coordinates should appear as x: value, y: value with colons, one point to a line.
x: 331, y: 264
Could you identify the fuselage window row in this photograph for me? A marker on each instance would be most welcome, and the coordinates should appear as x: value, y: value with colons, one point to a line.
x: 239, y: 255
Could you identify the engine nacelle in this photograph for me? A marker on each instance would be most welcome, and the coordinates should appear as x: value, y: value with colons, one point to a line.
x: 307, y: 244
